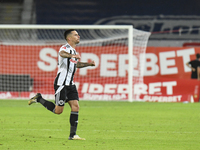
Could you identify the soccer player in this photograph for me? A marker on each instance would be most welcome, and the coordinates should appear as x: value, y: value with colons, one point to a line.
x: 65, y: 89
x: 194, y: 65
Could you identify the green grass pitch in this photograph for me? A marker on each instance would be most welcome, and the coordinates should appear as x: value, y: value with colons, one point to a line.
x: 105, y: 125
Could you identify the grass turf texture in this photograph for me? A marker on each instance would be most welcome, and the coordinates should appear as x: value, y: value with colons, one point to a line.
x: 105, y: 125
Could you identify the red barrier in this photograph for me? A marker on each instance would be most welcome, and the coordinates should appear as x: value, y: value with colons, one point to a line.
x: 166, y: 76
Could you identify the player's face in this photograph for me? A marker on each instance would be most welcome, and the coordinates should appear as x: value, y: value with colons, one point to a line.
x: 75, y: 37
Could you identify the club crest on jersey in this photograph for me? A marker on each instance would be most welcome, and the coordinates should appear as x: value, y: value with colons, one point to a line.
x: 73, y: 61
x: 61, y: 102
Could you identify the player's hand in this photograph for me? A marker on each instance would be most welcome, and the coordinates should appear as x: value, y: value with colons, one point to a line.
x: 77, y: 56
x: 92, y: 63
x: 193, y: 69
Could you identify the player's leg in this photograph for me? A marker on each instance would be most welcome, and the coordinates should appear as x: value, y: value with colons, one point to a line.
x: 47, y: 104
x: 74, y: 120
x: 73, y: 116
x: 74, y: 105
x: 60, y: 96
x: 72, y: 95
x: 59, y: 109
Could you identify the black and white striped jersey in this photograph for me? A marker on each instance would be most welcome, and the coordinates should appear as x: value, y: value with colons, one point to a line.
x: 66, y: 67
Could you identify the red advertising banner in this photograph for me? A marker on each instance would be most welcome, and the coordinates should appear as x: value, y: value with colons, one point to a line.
x: 166, y: 77
x: 169, y: 62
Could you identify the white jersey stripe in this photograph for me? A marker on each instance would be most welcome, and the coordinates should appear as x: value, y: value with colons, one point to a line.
x: 62, y: 77
x: 69, y: 74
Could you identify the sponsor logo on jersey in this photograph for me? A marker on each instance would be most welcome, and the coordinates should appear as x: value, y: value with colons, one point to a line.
x: 73, y: 61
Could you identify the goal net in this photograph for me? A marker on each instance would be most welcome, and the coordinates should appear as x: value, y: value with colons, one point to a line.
x: 29, y: 60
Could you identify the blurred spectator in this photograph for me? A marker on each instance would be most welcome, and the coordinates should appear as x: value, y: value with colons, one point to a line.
x: 194, y: 65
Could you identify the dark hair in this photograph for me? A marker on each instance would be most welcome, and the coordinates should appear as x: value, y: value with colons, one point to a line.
x: 67, y: 32
x: 197, y: 55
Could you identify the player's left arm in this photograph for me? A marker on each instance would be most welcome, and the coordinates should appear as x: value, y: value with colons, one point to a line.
x: 85, y: 64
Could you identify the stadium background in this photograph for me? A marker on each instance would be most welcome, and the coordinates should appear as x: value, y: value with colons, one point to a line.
x: 163, y: 19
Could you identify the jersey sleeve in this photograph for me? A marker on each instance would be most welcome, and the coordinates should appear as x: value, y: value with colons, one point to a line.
x: 65, y: 48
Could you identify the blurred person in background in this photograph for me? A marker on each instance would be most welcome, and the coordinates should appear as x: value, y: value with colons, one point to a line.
x: 194, y: 65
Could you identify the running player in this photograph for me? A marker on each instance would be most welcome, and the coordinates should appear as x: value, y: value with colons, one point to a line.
x: 65, y: 89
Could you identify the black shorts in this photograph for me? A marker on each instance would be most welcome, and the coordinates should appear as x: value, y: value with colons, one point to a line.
x: 64, y: 94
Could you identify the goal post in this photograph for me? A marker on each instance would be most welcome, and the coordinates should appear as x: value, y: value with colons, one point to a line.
x: 29, y: 56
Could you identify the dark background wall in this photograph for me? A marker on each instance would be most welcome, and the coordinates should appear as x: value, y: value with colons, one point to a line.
x: 89, y: 11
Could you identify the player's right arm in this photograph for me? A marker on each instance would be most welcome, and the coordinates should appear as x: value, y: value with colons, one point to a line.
x: 65, y: 54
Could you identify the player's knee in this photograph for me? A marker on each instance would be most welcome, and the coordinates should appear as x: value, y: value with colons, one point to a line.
x: 58, y: 112
x: 75, y: 108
